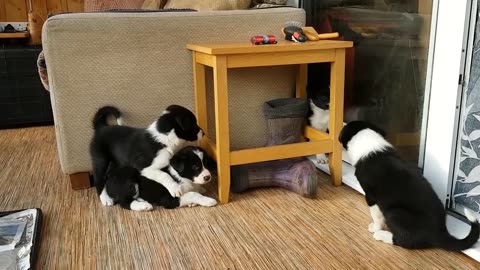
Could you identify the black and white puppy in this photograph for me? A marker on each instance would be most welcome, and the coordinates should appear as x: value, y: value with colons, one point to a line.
x: 398, y: 195
x: 146, y: 150
x: 319, y: 116
x: 190, y: 167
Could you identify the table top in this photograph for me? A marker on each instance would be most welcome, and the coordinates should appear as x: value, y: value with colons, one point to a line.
x: 224, y: 48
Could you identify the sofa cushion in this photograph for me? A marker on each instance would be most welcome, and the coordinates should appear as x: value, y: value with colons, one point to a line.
x: 202, y: 5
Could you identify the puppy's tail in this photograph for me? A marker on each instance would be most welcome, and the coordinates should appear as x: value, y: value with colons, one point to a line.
x: 100, y: 118
x: 449, y: 242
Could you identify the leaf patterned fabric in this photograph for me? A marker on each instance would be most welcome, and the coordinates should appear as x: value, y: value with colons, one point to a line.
x: 467, y: 184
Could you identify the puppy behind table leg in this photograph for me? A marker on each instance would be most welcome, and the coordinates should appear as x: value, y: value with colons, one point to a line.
x: 319, y: 116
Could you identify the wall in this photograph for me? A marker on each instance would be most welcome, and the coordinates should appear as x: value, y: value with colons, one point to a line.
x: 293, y: 3
x: 16, y: 10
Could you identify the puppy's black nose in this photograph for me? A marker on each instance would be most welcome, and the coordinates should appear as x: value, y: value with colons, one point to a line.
x: 203, y: 132
x: 207, y: 178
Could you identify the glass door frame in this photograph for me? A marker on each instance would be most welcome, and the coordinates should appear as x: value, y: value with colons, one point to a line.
x: 451, y: 47
x: 469, y: 39
x: 446, y: 85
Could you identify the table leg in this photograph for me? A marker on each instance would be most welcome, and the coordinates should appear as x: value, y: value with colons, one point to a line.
x: 200, y: 95
x: 222, y: 127
x: 301, y: 81
x: 301, y: 84
x: 337, y: 80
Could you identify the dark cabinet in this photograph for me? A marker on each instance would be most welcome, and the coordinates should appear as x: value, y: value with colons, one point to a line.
x: 23, y: 100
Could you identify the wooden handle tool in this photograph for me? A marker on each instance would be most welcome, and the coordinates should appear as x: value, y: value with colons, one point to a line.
x: 313, y: 35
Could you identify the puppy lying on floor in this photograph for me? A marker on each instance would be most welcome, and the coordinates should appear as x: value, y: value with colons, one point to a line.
x: 148, y: 150
x: 398, y: 195
x: 189, y: 167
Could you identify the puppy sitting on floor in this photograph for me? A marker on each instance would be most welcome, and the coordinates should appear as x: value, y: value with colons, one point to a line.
x: 398, y: 195
x: 190, y: 167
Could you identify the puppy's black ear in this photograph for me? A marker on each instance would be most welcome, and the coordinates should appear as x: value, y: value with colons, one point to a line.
x: 377, y: 129
x: 177, y: 163
x: 209, y: 162
x: 342, y: 138
x: 381, y: 132
x: 180, y: 122
x: 165, y: 123
x: 185, y: 123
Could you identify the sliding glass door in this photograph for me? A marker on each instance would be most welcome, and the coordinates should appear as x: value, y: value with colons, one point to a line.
x: 415, y: 71
x: 387, y: 71
x: 406, y: 74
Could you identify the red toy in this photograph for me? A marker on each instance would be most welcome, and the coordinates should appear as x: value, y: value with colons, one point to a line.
x: 265, y: 39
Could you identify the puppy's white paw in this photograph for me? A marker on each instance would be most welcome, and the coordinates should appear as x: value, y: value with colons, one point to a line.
x: 141, y: 206
x: 384, y: 236
x: 208, y: 202
x: 322, y: 158
x: 106, y: 201
x: 192, y: 199
x: 175, y: 189
x: 105, y: 198
x: 373, y: 227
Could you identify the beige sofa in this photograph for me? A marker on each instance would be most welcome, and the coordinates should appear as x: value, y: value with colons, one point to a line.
x: 138, y: 62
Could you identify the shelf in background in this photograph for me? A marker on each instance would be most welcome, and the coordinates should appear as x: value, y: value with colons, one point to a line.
x: 15, y: 35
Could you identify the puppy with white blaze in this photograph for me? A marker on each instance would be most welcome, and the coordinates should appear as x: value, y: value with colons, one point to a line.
x: 146, y: 150
x: 405, y: 209
x: 190, y: 167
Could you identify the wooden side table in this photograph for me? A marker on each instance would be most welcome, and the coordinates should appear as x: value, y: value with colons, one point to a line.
x: 222, y: 56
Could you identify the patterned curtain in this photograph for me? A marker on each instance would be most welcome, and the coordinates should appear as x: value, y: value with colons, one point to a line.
x: 467, y: 184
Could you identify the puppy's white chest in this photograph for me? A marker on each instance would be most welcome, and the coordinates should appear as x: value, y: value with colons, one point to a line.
x: 319, y: 118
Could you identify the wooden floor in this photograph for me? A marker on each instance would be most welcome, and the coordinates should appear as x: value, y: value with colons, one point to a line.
x: 263, y: 229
